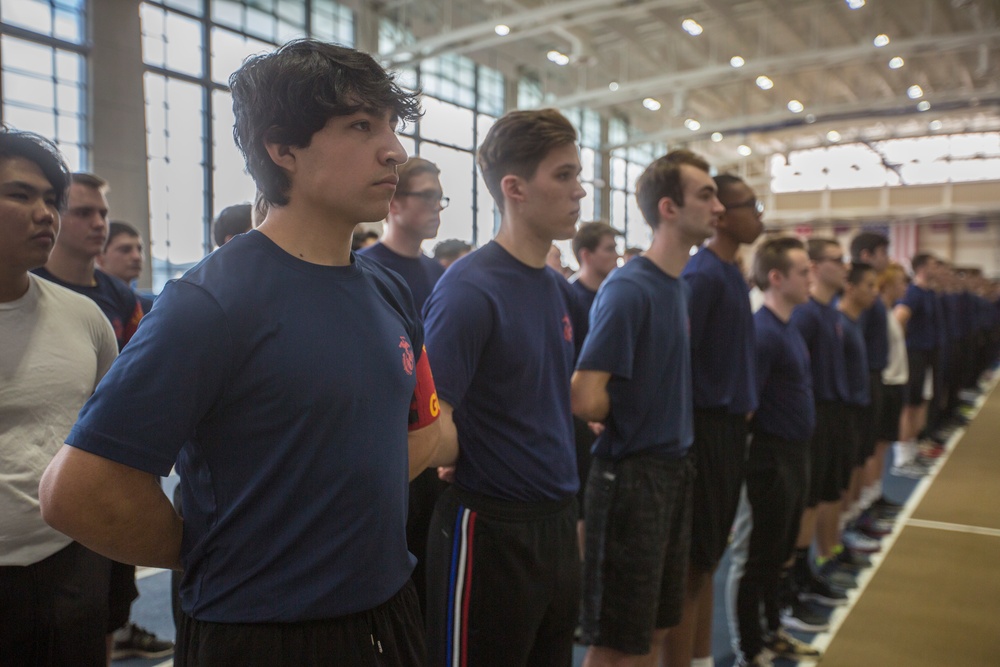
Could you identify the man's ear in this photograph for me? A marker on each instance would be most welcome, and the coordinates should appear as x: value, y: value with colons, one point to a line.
x: 281, y: 154
x: 512, y: 187
x: 667, y: 208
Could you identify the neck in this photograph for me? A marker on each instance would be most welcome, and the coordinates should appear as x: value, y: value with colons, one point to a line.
x: 724, y: 247
x: 71, y: 268
x: 310, y: 236
x: 822, y: 293
x: 589, y: 278
x: 520, y: 240
x: 669, y: 250
x: 13, y: 286
x: 400, y: 242
x: 781, y: 307
x: 850, y: 308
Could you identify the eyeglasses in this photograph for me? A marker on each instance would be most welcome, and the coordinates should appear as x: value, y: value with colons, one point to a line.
x: 755, y: 204
x: 430, y: 197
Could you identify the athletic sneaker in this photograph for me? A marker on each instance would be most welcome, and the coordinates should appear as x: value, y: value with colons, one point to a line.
x: 783, y: 645
x: 873, y: 526
x: 853, y: 560
x: 885, y: 508
x: 762, y: 659
x: 912, y: 470
x: 804, y: 617
x: 836, y: 576
x: 855, y: 541
x: 134, y: 641
x: 931, y: 451
x: 819, y: 590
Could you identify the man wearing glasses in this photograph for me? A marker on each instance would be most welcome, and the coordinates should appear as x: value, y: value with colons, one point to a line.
x: 414, y: 216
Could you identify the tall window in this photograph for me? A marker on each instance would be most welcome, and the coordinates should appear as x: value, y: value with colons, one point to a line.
x: 43, y: 73
x: 190, y: 47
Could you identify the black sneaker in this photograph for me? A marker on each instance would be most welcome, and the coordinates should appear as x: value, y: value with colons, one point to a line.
x: 804, y: 617
x: 818, y: 590
x: 783, y: 645
x: 853, y: 561
x: 885, y: 508
x: 133, y: 641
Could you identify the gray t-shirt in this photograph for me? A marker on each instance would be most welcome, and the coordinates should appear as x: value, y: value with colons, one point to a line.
x: 56, y: 346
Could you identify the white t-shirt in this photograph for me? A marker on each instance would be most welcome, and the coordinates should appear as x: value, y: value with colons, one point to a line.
x: 55, y: 346
x: 897, y: 370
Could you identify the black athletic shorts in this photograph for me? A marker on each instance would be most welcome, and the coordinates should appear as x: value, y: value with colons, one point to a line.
x: 122, y: 591
x: 919, y: 361
x: 893, y: 397
x: 389, y: 635
x: 719, y: 451
x: 503, y: 581
x: 847, y: 457
x: 871, y: 418
x: 638, y: 541
x: 824, y: 453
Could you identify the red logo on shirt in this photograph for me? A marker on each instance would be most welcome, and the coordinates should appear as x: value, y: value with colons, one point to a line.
x: 407, y: 355
x: 567, y: 329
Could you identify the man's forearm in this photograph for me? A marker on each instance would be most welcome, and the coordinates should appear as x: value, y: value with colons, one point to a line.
x: 110, y: 508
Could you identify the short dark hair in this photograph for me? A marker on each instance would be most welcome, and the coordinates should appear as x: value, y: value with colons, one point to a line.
x: 662, y: 178
x: 773, y: 254
x: 725, y: 181
x: 857, y: 270
x: 39, y: 150
x: 288, y: 95
x: 589, y: 236
x: 919, y: 260
x: 816, y: 245
x: 451, y: 249
x: 412, y: 168
x: 233, y: 220
x: 870, y: 241
x: 90, y: 180
x: 117, y: 228
x: 518, y: 142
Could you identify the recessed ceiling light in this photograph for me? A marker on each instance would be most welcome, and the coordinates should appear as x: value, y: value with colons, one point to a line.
x: 692, y: 27
x: 717, y: 137
x: 651, y: 104
x: 744, y: 150
x: 557, y: 57
x: 833, y: 136
x: 896, y: 63
x: 935, y: 125
x: 881, y: 40
x: 501, y: 29
x: 692, y: 124
x: 613, y: 86
x: 795, y: 106
x: 914, y: 92
x: 855, y: 4
x: 737, y: 61
x: 924, y: 105
x: 764, y: 83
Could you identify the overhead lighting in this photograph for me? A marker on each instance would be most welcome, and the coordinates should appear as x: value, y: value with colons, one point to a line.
x: 692, y: 124
x: 613, y: 86
x: 558, y: 58
x: 717, y: 137
x: 737, y: 61
x: 744, y: 150
x: 914, y: 92
x: 855, y: 4
x: 810, y: 118
x: 935, y: 125
x: 651, y: 104
x: 833, y: 136
x: 881, y: 40
x: 924, y: 105
x: 896, y: 63
x: 764, y: 83
x: 501, y: 29
x: 795, y: 106
x: 692, y: 27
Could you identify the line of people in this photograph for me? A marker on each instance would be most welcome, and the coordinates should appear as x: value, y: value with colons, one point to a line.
x: 288, y: 378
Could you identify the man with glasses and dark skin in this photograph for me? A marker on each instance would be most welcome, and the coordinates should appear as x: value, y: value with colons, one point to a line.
x: 414, y: 217
x: 725, y: 395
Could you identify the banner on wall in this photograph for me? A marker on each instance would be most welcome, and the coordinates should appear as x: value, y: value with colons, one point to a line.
x: 904, y: 236
x: 803, y: 231
x: 941, y: 226
x: 976, y: 225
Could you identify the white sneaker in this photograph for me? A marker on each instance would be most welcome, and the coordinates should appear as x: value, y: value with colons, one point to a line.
x: 912, y: 470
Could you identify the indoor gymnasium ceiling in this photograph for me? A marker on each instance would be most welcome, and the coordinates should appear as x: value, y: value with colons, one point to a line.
x: 823, y: 54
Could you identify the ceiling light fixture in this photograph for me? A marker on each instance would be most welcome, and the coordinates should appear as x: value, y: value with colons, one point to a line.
x: 764, y: 83
x: 833, y: 136
x: 692, y: 124
x: 914, y: 92
x: 935, y: 125
x: 613, y: 86
x: 692, y: 27
x: 881, y: 40
x: 501, y: 29
x: 896, y: 63
x: 651, y: 104
x: 744, y: 150
x: 795, y: 106
x: 855, y: 4
x: 737, y: 61
x: 558, y: 58
x: 924, y: 105
x: 717, y: 137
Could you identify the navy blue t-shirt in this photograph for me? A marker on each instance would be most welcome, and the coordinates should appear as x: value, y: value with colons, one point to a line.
x: 856, y: 362
x: 501, y: 335
x: 584, y: 295
x: 282, y: 391
x: 639, y: 334
x: 921, y: 328
x: 420, y: 273
x: 823, y: 333
x: 876, y: 329
x: 116, y: 300
x: 784, y: 380
x: 722, y: 335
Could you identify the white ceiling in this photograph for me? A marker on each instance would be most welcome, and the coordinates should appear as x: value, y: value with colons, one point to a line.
x: 820, y: 52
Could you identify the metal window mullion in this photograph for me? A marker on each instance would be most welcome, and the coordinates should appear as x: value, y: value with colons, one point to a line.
x: 208, y: 150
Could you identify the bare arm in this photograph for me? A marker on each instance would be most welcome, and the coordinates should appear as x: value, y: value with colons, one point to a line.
x: 589, y: 395
x: 447, y: 452
x: 424, y: 444
x: 117, y: 511
x: 902, y: 313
